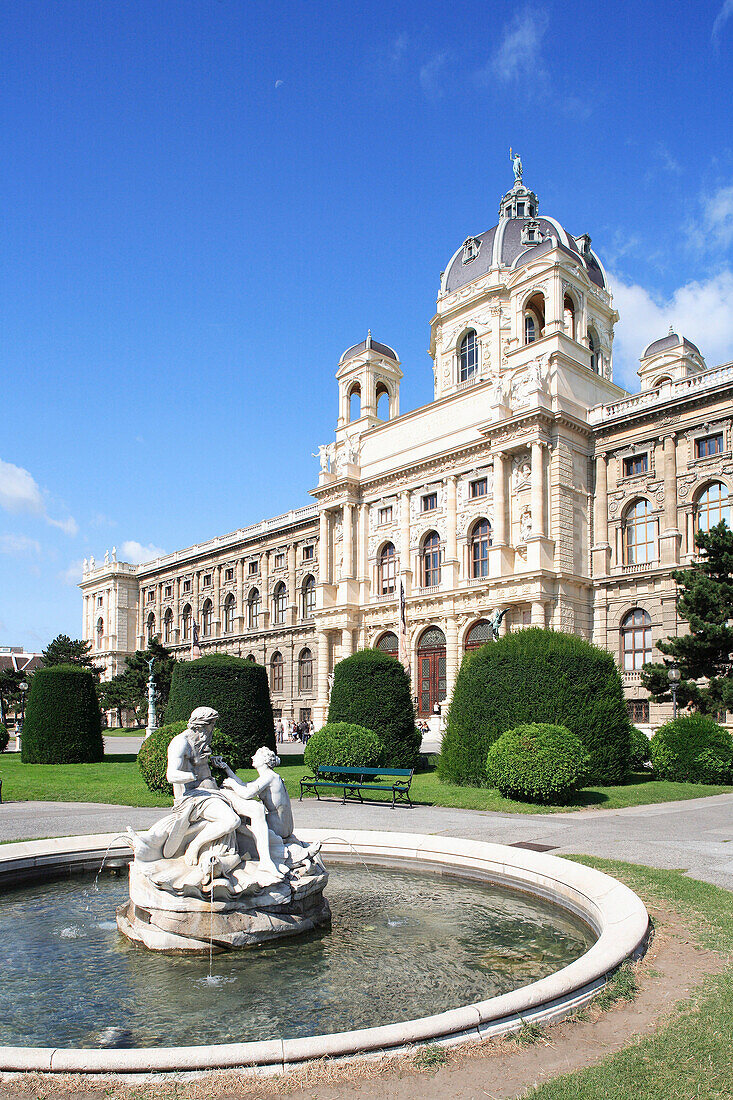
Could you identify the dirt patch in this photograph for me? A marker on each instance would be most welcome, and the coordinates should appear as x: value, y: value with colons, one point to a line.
x: 498, y: 1069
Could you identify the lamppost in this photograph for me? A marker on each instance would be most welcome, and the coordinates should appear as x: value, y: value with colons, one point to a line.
x: 674, y: 678
x: 151, y: 700
x: 22, y: 688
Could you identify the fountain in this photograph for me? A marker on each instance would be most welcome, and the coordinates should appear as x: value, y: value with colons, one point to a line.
x: 224, y: 869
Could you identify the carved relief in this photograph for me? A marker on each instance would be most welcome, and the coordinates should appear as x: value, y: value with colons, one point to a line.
x: 521, y: 471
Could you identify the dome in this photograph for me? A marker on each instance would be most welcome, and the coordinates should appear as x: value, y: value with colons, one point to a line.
x: 374, y: 345
x: 671, y: 340
x: 516, y: 240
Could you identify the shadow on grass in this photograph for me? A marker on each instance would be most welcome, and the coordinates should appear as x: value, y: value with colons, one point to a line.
x: 120, y: 758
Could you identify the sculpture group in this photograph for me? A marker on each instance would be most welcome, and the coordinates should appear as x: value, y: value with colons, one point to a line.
x: 224, y: 868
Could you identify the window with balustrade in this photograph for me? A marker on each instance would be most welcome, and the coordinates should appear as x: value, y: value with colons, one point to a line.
x: 430, y: 560
x: 207, y: 618
x: 712, y: 507
x: 253, y: 609
x: 276, y: 672
x: 636, y: 640
x: 308, y: 598
x: 100, y: 633
x: 387, y: 570
x: 479, y: 542
x: 639, y: 534
x: 168, y: 627
x: 305, y: 671
x: 150, y: 629
x: 280, y: 602
x: 186, y: 623
x: 229, y: 609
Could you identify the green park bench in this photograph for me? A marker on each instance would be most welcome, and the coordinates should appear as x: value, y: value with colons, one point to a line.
x: 355, y: 780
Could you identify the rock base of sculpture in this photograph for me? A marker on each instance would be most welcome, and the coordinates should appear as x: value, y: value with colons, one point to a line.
x: 175, y: 924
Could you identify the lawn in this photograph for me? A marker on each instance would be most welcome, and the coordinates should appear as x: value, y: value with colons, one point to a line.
x: 692, y: 1054
x: 117, y: 780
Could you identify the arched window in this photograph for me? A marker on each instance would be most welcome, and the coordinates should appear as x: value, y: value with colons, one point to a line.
x: 308, y: 598
x: 468, y: 357
x: 253, y: 609
x: 251, y: 657
x: 480, y: 542
x: 382, y: 401
x: 640, y: 534
x: 712, y: 507
x: 534, y: 318
x: 387, y: 570
x: 100, y: 632
x: 280, y: 599
x: 150, y: 630
x: 229, y: 606
x: 276, y: 672
x: 479, y: 634
x: 186, y: 623
x: 207, y: 615
x: 305, y: 671
x: 168, y: 626
x: 431, y: 560
x: 568, y: 316
x: 636, y: 640
x: 354, y: 402
x: 388, y: 643
x: 661, y: 381
x: 593, y: 347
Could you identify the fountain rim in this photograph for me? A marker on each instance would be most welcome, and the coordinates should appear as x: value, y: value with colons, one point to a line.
x: 616, y: 915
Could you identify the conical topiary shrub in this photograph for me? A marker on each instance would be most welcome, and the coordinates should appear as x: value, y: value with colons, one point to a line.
x: 237, y: 689
x: 532, y: 676
x: 62, y: 720
x: 372, y: 689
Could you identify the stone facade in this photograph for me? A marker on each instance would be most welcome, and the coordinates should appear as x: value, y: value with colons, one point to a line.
x: 531, y: 482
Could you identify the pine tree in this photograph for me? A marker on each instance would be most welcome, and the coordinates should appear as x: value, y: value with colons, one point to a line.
x: 705, y: 600
x: 66, y: 651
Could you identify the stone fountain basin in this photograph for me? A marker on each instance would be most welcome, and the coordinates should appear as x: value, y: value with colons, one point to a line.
x: 616, y: 915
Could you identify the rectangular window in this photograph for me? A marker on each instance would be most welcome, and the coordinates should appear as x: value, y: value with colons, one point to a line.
x: 520, y: 209
x: 308, y: 553
x: 305, y: 714
x: 429, y: 502
x: 169, y: 590
x: 638, y: 710
x: 635, y: 465
x: 186, y: 586
x: 710, y: 445
x: 253, y: 568
x: 151, y: 595
x: 477, y: 488
x: 100, y: 601
x: 207, y: 580
x: 279, y: 561
x: 228, y: 574
x: 384, y: 515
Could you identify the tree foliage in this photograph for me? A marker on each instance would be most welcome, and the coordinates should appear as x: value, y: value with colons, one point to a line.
x: 530, y: 676
x: 346, y: 744
x: 537, y: 762
x: 152, y: 758
x: 10, y: 681
x: 692, y: 749
x: 129, y: 689
x: 705, y: 600
x: 64, y: 650
x: 62, y: 719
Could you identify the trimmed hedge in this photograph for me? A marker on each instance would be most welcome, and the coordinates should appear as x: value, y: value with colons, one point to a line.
x: 536, y: 675
x: 693, y: 749
x: 152, y: 757
x: 4, y: 739
x: 237, y: 689
x: 62, y: 720
x: 640, y: 750
x: 346, y: 744
x: 537, y: 763
x: 372, y: 689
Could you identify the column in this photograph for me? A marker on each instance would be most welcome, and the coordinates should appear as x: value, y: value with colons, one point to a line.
x: 500, y: 526
x: 324, y: 566
x: 158, y: 611
x: 538, y: 489
x: 450, y: 568
x: 670, y: 538
x: 405, y: 566
x: 241, y: 597
x: 538, y: 613
x: 292, y: 594
x: 452, y: 656
x: 217, y: 623
x: 347, y: 569
x: 347, y: 642
x: 197, y: 600
x: 601, y: 501
x: 265, y: 590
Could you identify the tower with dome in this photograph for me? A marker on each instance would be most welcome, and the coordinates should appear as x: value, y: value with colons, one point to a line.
x: 531, y: 482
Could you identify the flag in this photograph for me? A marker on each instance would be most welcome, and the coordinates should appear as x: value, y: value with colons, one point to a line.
x: 403, y: 643
x: 195, y: 647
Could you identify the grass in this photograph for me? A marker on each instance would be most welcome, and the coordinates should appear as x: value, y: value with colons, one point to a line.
x: 117, y: 780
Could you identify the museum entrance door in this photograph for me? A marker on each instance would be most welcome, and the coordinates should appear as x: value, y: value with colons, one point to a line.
x: 431, y: 671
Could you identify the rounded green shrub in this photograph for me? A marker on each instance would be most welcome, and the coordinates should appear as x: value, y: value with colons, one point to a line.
x: 372, y: 689
x: 152, y: 757
x: 62, y: 720
x: 537, y: 763
x: 640, y: 750
x: 692, y: 749
x: 536, y: 675
x: 237, y: 689
x: 346, y: 744
x: 4, y: 738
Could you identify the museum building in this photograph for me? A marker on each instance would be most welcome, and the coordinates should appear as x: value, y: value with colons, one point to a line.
x: 530, y: 482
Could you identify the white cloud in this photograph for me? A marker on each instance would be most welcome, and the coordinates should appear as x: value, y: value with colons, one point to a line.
x: 702, y: 311
x: 722, y: 18
x: 718, y: 215
x: 279, y: 83
x: 431, y: 74
x: 72, y: 574
x: 19, y: 492
x: 518, y: 53
x: 19, y: 545
x: 137, y: 554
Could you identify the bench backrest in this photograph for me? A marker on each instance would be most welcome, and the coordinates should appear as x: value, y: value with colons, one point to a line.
x: 334, y: 769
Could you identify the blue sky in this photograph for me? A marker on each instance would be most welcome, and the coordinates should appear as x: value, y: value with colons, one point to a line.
x: 204, y: 202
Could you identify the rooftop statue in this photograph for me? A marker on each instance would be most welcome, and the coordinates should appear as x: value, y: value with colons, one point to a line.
x: 517, y: 164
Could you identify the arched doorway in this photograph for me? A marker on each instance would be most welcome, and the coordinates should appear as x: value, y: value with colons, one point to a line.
x: 431, y: 664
